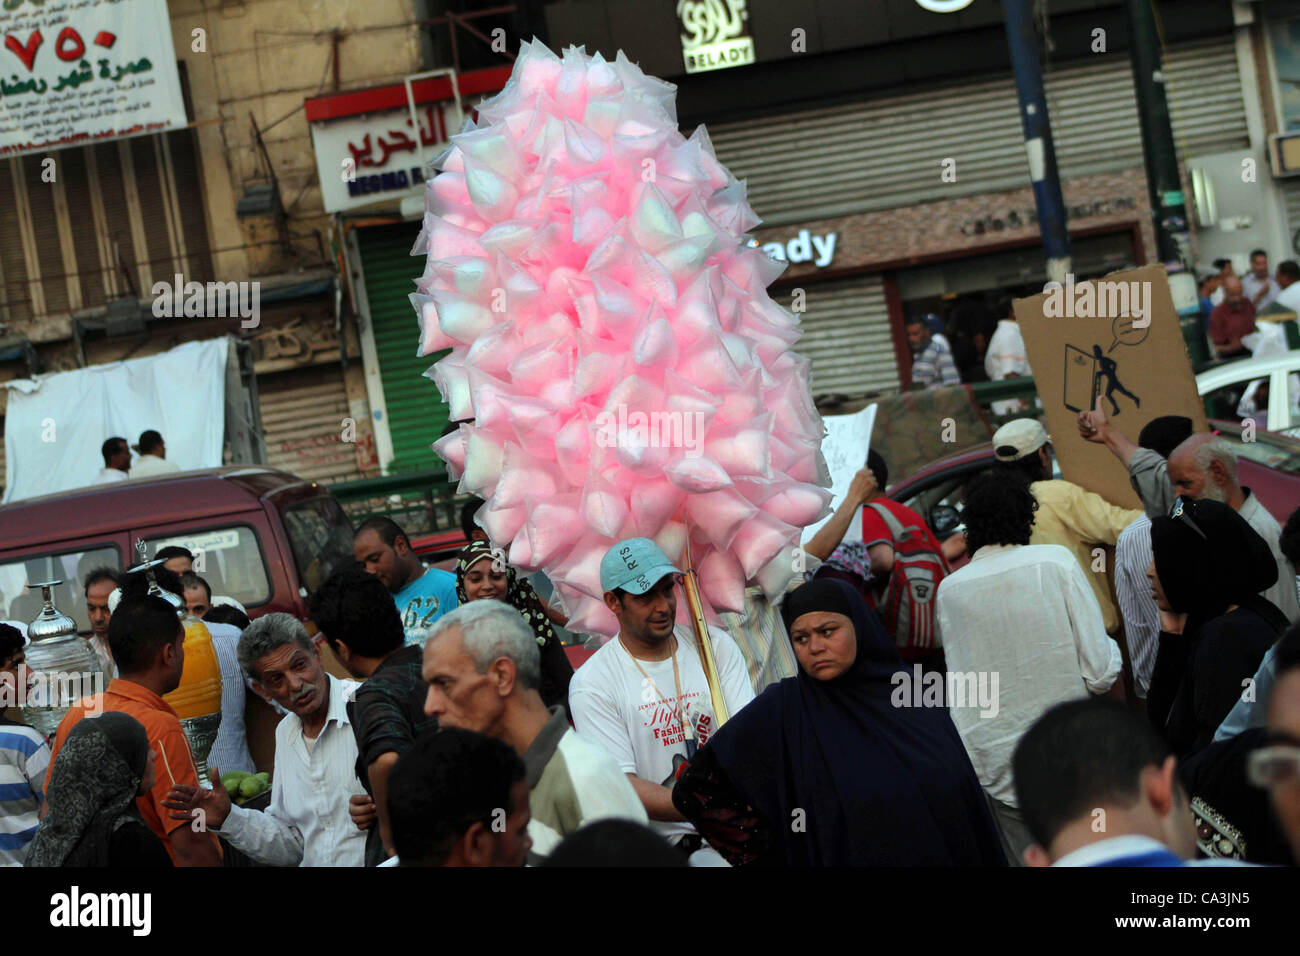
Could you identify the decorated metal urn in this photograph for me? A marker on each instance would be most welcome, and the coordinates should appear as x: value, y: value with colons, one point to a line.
x: 63, y: 667
x: 197, y: 700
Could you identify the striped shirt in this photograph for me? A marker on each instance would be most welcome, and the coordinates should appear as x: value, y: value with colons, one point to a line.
x: 1136, y: 605
x: 230, y: 749
x: 933, y: 366
x: 24, y: 758
x: 760, y: 634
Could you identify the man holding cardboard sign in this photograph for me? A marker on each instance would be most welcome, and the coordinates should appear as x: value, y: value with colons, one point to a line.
x: 1130, y: 316
x: 1115, y: 344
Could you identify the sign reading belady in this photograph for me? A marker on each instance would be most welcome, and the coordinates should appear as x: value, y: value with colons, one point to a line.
x: 75, y: 72
x: 715, y: 34
x: 1115, y: 340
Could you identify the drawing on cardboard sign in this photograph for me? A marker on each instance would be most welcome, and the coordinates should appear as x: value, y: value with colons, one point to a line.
x: 1087, y: 376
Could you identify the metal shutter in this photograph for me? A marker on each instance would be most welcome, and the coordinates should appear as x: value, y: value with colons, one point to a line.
x: 189, y: 197
x: 846, y: 333
x: 45, y: 230
x: 112, y: 190
x: 888, y: 152
x: 148, y: 180
x: 302, y: 422
x: 416, y: 412
x: 15, y: 294
x: 73, y: 172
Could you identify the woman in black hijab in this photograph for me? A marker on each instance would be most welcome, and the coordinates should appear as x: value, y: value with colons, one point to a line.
x: 479, y: 576
x: 823, y: 769
x: 1209, y: 568
x: 92, y: 818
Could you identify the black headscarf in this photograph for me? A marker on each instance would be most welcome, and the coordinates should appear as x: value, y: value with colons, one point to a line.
x: 519, y: 594
x: 1203, y: 576
x: 879, y: 785
x: 92, y: 791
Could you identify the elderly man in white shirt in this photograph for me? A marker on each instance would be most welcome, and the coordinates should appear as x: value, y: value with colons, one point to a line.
x: 308, y: 822
x: 1024, y: 615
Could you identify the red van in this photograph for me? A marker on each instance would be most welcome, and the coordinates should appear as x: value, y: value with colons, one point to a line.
x: 261, y: 536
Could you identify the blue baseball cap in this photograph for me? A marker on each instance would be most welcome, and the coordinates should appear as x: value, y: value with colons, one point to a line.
x: 635, y: 565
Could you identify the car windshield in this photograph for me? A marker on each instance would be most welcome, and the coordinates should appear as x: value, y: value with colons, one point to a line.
x: 320, y: 535
x: 1273, y: 451
x: 228, y: 558
x: 17, y: 603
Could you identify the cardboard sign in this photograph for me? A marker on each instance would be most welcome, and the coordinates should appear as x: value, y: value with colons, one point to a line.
x: 845, y: 448
x: 1116, y: 339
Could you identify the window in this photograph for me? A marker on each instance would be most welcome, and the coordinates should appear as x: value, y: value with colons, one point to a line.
x: 1286, y: 61
x: 70, y: 567
x: 230, y: 559
x: 1272, y: 453
x: 320, y: 535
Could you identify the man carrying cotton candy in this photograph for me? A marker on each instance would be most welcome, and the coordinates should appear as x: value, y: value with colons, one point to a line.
x: 644, y: 697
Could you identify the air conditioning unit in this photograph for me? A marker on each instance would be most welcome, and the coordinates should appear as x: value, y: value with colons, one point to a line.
x: 123, y: 316
x: 1284, y: 154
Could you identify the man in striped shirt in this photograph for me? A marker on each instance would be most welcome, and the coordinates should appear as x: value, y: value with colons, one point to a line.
x: 932, y: 364
x: 24, y: 756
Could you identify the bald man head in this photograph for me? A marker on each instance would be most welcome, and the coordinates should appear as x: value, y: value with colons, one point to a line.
x: 1232, y: 289
x: 1205, y: 466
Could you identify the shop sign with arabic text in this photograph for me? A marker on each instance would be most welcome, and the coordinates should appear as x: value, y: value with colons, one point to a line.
x: 377, y: 156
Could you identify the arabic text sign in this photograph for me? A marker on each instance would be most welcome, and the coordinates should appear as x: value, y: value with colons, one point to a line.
x: 82, y: 71
x: 209, y: 541
x: 364, y: 159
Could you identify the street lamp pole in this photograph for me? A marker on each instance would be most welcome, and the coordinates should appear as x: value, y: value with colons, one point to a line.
x: 1022, y: 39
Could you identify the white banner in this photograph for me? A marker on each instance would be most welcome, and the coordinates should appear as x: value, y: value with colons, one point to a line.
x: 56, y: 424
x: 75, y: 72
x: 845, y: 447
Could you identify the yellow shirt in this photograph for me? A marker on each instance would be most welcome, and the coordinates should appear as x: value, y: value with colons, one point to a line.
x: 1080, y: 521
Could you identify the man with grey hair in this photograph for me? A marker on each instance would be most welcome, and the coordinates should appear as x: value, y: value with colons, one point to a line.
x: 1205, y: 466
x: 308, y: 822
x: 483, y: 668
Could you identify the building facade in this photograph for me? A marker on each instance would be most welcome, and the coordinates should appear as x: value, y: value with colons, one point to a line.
x: 883, y: 153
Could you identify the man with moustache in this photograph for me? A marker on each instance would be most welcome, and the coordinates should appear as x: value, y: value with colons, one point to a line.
x: 99, y: 584
x: 308, y: 822
x: 1205, y: 466
x: 643, y: 697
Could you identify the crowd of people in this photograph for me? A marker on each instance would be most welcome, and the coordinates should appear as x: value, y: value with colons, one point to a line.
x: 907, y: 700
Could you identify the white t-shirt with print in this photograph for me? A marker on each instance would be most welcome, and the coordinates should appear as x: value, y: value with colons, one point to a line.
x: 615, y: 708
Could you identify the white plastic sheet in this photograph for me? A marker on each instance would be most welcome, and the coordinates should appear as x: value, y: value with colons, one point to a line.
x: 845, y: 447
x: 56, y: 424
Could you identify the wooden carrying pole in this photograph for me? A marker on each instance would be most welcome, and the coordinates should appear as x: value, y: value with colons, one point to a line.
x: 707, y: 660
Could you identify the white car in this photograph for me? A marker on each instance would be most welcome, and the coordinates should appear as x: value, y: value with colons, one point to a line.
x: 1237, y: 390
